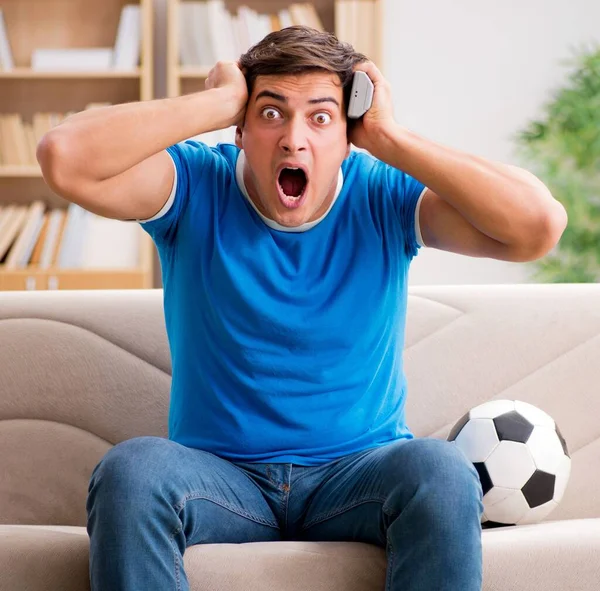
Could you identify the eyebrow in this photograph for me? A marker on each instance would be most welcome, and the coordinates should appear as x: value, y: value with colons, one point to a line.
x: 283, y: 99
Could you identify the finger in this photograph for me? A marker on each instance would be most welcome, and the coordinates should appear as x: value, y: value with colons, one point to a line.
x: 242, y: 70
x: 371, y: 70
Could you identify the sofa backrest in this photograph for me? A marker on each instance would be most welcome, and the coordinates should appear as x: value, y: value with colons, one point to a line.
x: 81, y: 371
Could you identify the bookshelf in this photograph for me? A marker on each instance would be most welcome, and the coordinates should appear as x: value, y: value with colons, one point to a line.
x: 30, y: 86
x: 29, y: 74
x: 356, y: 21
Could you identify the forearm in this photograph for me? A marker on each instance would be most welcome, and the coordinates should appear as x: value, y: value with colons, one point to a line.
x: 107, y: 141
x: 504, y: 202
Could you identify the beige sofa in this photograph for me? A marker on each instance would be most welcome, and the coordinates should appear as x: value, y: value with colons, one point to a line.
x: 81, y: 371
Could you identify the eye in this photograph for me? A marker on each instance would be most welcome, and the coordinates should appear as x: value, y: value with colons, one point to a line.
x: 322, y: 118
x: 270, y: 113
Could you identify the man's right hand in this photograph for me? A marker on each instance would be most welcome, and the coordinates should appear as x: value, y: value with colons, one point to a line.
x: 113, y: 161
x: 228, y: 77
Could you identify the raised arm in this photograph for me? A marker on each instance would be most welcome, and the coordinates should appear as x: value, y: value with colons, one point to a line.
x: 112, y: 160
x: 472, y: 206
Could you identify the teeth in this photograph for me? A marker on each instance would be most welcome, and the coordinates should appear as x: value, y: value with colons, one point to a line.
x: 292, y: 197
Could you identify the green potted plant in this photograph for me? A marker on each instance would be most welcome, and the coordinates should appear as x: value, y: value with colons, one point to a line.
x: 563, y: 150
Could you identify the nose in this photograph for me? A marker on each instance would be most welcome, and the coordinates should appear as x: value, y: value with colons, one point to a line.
x: 293, y: 138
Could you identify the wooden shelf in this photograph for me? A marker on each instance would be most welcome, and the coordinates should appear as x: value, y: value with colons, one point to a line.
x: 20, y: 172
x: 29, y: 74
x: 60, y: 24
x: 187, y: 79
x: 33, y: 279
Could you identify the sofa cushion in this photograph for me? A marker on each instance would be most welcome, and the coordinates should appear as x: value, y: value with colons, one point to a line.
x: 82, y: 371
x: 549, y: 556
x: 286, y: 566
x: 39, y: 558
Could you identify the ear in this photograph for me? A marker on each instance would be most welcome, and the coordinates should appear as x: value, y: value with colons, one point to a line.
x: 238, y: 137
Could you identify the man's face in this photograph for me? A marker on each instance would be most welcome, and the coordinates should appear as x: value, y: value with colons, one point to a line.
x: 294, y: 122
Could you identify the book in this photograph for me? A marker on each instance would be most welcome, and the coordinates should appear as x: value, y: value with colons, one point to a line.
x: 5, y: 212
x: 20, y: 253
x: 6, y: 57
x: 126, y: 54
x: 188, y: 55
x: 18, y: 151
x: 285, y: 18
x: 72, y: 59
x: 36, y: 254
x: 72, y: 238
x: 220, y: 31
x: 110, y: 244
x: 195, y: 45
x: 53, y: 236
x: 11, y: 228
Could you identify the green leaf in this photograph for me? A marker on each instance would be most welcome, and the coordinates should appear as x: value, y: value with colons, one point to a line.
x: 562, y: 148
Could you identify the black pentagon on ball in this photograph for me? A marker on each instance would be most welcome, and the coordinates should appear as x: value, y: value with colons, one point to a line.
x: 490, y: 524
x: 484, y: 477
x: 562, y: 441
x: 539, y: 489
x: 458, y: 427
x: 512, y: 426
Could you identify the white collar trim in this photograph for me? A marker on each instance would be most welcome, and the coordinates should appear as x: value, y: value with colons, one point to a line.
x: 239, y: 175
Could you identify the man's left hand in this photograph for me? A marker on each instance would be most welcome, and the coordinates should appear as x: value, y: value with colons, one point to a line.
x: 367, y: 130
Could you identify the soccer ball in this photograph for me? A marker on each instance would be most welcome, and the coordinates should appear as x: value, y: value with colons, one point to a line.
x: 521, y: 457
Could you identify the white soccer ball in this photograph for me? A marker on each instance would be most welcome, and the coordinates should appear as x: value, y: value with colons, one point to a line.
x: 521, y: 457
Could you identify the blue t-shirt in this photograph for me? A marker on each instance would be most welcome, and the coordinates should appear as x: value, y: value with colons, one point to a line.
x: 286, y: 346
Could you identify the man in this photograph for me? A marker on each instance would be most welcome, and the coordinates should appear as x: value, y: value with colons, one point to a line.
x: 285, y: 262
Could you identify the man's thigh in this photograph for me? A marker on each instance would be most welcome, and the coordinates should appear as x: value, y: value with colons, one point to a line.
x: 365, y: 492
x: 205, y: 498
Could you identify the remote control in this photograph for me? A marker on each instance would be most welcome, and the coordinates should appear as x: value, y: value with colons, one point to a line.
x: 361, y: 95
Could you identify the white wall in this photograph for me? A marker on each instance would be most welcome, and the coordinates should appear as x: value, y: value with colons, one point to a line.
x: 469, y: 74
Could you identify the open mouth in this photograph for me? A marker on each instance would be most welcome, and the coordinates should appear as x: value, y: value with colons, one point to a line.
x: 291, y: 185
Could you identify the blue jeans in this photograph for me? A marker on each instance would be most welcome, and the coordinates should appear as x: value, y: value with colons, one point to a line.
x: 151, y: 498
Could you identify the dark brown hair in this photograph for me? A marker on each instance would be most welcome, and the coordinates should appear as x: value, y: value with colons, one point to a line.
x: 299, y: 50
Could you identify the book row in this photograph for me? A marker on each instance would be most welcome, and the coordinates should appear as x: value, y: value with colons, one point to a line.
x: 19, y: 138
x: 124, y: 55
x: 35, y: 235
x: 209, y: 32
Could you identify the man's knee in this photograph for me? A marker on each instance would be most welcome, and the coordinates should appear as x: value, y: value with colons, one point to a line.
x: 130, y: 465
x: 440, y: 457
x: 438, y: 472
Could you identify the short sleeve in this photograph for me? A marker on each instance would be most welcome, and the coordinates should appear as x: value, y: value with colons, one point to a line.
x: 406, y: 193
x: 192, y: 161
